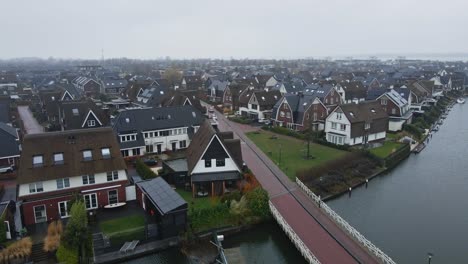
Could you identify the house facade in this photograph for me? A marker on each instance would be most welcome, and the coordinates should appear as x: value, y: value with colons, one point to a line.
x: 156, y: 130
x: 56, y: 166
x: 356, y: 124
x: 214, y: 162
x: 259, y: 104
x: 397, y: 108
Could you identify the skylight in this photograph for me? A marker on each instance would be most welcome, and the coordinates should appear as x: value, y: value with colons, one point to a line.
x: 75, y: 111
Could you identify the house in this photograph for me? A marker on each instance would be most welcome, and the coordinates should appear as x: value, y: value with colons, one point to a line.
x: 163, y: 204
x: 156, y: 130
x: 216, y: 90
x: 258, y: 104
x: 300, y: 112
x: 151, y: 96
x: 192, y: 82
x: 354, y: 124
x: 182, y: 97
x: 214, y: 162
x: 231, y: 95
x: 87, y: 86
x: 10, y: 146
x: 397, y: 108
x: 113, y: 86
x: 327, y: 93
x: 56, y: 166
x: 354, y: 91
x: 81, y: 115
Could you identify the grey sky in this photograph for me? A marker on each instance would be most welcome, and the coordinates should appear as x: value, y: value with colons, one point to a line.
x: 218, y: 28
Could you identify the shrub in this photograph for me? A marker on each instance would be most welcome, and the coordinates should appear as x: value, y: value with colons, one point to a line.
x: 416, y: 131
x: 144, y: 171
x: 54, y: 234
x: 67, y: 255
x: 77, y: 227
x: 19, y: 250
x: 232, y: 196
x: 241, y: 120
x: 239, y: 207
x: 257, y: 202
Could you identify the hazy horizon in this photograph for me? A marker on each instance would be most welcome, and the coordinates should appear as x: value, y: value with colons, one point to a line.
x: 241, y: 29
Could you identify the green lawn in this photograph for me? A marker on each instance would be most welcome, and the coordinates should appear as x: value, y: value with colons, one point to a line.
x: 199, y: 202
x: 388, y: 148
x: 293, y: 152
x: 123, y: 229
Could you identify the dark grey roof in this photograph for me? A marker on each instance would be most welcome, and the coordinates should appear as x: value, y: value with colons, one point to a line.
x: 163, y: 197
x: 4, y: 112
x: 177, y: 165
x: 9, y: 144
x: 114, y: 83
x: 216, y: 176
x: 373, y: 94
x: 138, y: 120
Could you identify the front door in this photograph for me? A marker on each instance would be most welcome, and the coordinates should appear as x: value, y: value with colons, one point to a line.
x: 158, y: 148
x: 174, y: 146
x: 40, y: 214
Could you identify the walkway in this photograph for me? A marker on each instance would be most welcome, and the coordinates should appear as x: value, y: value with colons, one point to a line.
x: 31, y: 126
x: 328, y: 242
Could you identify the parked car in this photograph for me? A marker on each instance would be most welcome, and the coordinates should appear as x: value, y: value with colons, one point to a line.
x: 7, y: 169
x: 148, y: 161
x: 264, y: 121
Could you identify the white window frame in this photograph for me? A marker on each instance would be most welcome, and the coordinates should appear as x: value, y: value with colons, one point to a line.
x: 113, y: 174
x: 88, y: 177
x: 89, y: 195
x: 91, y: 123
x: 45, y: 213
x: 63, y: 181
x: 36, y: 184
x: 57, y: 160
x: 85, y: 158
x: 333, y: 125
x: 108, y: 196
x: 38, y: 160
x: 105, y: 152
x: 66, y: 203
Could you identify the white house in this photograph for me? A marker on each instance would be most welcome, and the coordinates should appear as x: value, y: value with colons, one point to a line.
x: 354, y: 124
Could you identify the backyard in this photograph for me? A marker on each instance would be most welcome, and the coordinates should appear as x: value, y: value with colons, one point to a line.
x: 293, y: 152
x: 124, y: 229
x: 388, y: 148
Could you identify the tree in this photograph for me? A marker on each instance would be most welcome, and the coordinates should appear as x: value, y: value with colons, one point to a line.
x: 257, y: 202
x: 76, y: 230
x: 173, y: 75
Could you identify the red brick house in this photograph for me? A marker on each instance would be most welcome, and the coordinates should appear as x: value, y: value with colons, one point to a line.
x: 58, y: 165
x: 300, y: 112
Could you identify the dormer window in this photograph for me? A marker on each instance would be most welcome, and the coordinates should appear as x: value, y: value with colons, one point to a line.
x: 367, y: 126
x: 105, y: 153
x: 87, y: 155
x: 220, y: 162
x: 207, y: 163
x: 58, y: 158
x: 91, y: 123
x: 38, y: 161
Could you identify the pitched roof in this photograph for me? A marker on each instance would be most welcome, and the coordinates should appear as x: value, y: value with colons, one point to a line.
x: 363, y: 112
x: 71, y: 143
x: 147, y: 119
x: 199, y: 143
x: 75, y: 113
x: 161, y: 194
x: 8, y: 141
x: 267, y: 98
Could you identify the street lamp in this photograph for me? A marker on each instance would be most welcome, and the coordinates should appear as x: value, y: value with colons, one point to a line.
x: 429, y: 257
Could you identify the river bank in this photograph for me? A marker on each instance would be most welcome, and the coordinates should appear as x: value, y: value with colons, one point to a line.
x: 416, y: 207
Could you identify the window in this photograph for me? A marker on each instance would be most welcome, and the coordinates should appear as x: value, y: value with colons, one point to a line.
x: 342, y: 127
x: 285, y: 106
x: 90, y: 201
x: 393, y: 111
x: 58, y: 158
x: 179, y: 131
x: 151, y: 134
x: 288, y: 114
x: 333, y: 125
x: 282, y: 114
x: 63, y: 208
x: 207, y: 163
x: 254, y: 106
x: 38, y: 161
x: 338, y: 116
x: 112, y: 175
x: 87, y: 155
x: 331, y: 100
x: 36, y: 187
x: 367, y: 126
x: 63, y: 183
x: 105, y: 153
x: 124, y: 153
x: 220, y: 162
x: 113, y: 197
x: 182, y: 144
x: 164, y: 133
x: 315, y: 116
x: 145, y: 135
x: 185, y: 130
x: 40, y: 213
x: 91, y: 123
x: 88, y: 179
x: 383, y: 101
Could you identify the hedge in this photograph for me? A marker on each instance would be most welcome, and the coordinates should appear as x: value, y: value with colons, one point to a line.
x: 67, y: 255
x: 395, y: 158
x: 144, y: 171
x: 240, y: 120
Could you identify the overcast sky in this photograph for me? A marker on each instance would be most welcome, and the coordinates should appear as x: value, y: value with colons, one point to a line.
x: 151, y: 29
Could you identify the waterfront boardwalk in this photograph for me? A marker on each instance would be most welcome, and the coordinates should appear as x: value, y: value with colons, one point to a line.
x: 318, y: 232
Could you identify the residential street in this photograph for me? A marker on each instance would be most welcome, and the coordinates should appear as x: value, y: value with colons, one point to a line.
x: 30, y: 123
x: 328, y: 242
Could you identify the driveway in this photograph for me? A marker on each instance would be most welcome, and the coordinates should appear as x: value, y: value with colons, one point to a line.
x: 31, y: 126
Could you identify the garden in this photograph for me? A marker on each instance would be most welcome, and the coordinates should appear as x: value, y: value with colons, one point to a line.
x: 122, y: 229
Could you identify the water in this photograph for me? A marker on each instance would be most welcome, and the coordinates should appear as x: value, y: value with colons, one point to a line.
x: 421, y: 205
x: 265, y: 243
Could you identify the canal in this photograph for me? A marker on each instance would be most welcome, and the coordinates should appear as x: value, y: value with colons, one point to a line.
x: 265, y: 243
x: 421, y: 205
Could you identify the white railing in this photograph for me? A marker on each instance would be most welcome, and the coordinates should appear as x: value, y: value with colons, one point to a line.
x: 305, y: 251
x: 346, y: 226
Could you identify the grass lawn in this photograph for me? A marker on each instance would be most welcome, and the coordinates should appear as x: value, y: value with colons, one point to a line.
x: 199, y: 202
x: 386, y: 149
x: 124, y: 229
x: 293, y: 152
